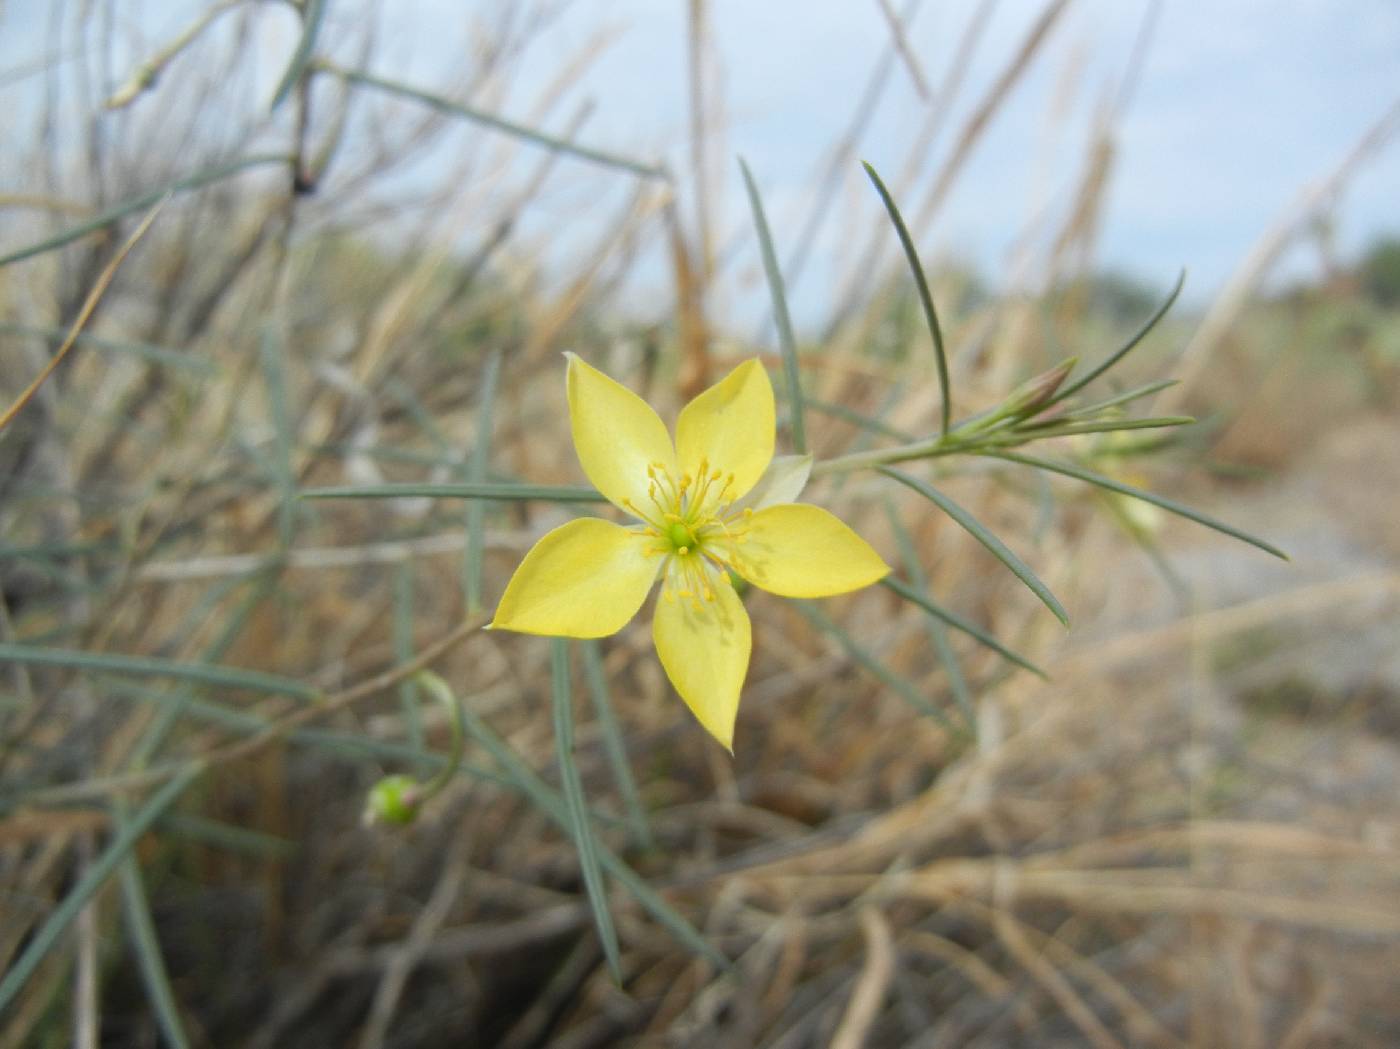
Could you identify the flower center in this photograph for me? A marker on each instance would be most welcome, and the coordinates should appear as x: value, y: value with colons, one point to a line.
x: 682, y: 538
x: 692, y: 526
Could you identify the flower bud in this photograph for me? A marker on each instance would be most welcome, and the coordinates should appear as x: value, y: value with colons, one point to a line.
x: 1033, y: 393
x: 394, y: 800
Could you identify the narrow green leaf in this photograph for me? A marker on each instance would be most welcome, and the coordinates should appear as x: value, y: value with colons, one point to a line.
x: 543, y: 492
x: 110, y: 663
x: 863, y: 657
x: 46, y: 551
x: 1054, y: 428
x: 458, y: 109
x: 957, y: 622
x: 92, y: 880
x: 937, y: 632
x: 786, y: 340
x: 613, y: 745
x: 313, y: 12
x: 136, y: 909
x: 1146, y: 390
x: 352, y: 746
x: 119, y: 211
x: 226, y: 836
x: 403, y: 651
x: 925, y: 296
x: 146, y: 351
x: 1081, y: 474
x: 1072, y: 388
x: 476, y: 474
x: 855, y: 418
x: 534, y: 788
x: 979, y: 532
x: 164, y: 723
x: 270, y: 353
x: 579, y: 826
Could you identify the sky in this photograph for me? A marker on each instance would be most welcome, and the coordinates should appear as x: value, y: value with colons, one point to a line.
x: 1238, y: 106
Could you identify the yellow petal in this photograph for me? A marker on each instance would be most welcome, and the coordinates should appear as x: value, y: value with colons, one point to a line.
x: 616, y: 434
x: 586, y: 578
x: 798, y: 550
x: 704, y: 648
x: 731, y: 426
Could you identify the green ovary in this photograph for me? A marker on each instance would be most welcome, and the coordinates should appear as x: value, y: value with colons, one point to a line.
x: 681, y: 538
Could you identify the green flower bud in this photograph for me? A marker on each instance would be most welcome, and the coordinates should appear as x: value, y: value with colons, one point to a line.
x: 394, y: 800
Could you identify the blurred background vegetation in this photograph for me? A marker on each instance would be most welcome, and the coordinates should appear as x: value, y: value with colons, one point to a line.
x: 1187, y: 834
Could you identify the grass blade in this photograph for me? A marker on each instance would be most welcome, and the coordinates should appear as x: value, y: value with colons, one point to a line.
x: 925, y: 296
x: 979, y: 532
x: 613, y: 745
x: 860, y: 419
x: 313, y: 13
x: 270, y: 352
x: 92, y: 880
x: 226, y: 836
x: 476, y: 474
x: 109, y: 663
x: 544, y: 492
x: 164, y: 723
x: 786, y: 340
x: 119, y: 211
x: 937, y: 632
x: 161, y: 355
x: 1113, y: 358
x: 344, y: 745
x: 957, y: 622
x: 866, y: 659
x: 579, y: 826
x: 458, y: 109
x: 403, y: 651
x: 136, y: 909
x: 534, y: 788
x: 1088, y: 476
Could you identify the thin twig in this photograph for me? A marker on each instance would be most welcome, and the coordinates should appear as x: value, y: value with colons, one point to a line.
x: 89, y: 304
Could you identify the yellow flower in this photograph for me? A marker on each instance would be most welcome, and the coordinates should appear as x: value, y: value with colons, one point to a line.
x: 715, y: 502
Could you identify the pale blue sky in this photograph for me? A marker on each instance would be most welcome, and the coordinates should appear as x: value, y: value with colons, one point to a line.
x: 1239, y: 105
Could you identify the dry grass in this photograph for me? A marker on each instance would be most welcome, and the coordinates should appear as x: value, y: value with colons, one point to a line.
x: 1161, y: 845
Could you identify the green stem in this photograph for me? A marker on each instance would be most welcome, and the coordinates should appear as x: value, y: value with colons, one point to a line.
x: 932, y: 448
x: 440, y: 691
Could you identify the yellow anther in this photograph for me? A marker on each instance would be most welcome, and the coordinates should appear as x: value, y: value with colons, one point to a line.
x: 683, y: 550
